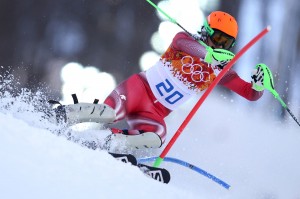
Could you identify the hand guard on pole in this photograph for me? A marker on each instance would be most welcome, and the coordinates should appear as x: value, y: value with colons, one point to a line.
x: 257, y: 77
x: 218, y: 57
x: 269, y: 85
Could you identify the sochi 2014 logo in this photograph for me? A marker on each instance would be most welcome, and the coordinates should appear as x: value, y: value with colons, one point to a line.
x: 195, y: 70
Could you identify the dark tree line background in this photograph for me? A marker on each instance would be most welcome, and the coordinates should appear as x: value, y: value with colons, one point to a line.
x: 39, y: 37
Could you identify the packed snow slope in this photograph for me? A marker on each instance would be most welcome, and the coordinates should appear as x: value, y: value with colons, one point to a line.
x: 247, y: 148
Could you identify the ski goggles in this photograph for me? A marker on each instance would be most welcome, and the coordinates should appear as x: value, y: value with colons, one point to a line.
x: 220, y: 38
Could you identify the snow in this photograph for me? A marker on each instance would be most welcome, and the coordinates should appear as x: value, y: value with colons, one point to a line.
x: 243, y: 145
x: 38, y: 164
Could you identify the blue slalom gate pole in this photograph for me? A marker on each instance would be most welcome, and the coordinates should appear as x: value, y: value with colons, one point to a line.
x: 190, y: 166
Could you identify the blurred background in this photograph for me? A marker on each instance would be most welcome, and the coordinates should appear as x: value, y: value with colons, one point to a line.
x: 88, y: 47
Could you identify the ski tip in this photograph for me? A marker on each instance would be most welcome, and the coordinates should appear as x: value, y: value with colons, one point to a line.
x: 167, y: 176
x: 269, y: 27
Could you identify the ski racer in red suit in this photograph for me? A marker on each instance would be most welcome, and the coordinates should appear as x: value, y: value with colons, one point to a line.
x: 185, y: 70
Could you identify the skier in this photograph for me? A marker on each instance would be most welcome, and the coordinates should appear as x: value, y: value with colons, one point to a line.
x: 186, y: 69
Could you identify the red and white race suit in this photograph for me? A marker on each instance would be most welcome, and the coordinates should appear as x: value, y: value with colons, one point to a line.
x: 145, y: 99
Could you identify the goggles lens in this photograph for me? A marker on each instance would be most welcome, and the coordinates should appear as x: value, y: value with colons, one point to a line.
x: 220, y: 38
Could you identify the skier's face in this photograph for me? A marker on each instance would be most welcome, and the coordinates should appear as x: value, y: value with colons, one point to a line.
x: 213, y: 45
x: 220, y: 40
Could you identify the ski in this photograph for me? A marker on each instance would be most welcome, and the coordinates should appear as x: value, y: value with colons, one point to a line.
x: 126, y: 158
x: 159, y: 174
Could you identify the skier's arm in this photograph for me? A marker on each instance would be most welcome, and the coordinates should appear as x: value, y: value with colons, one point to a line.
x: 232, y: 81
x: 183, y: 42
x: 216, y: 57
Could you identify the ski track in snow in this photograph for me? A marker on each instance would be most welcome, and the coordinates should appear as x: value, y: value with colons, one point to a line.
x: 245, y: 147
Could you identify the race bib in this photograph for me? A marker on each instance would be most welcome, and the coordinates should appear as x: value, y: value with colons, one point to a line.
x: 169, y: 91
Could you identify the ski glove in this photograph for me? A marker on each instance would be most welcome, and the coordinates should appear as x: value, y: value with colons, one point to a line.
x: 258, y: 78
x: 218, y: 57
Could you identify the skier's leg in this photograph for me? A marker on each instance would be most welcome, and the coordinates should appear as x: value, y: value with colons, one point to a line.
x: 117, y: 105
x: 146, y: 123
x: 127, y: 96
x: 143, y: 133
x: 81, y: 112
x: 134, y: 100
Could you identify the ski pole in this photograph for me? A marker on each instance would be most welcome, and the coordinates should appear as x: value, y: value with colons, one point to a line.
x: 269, y: 85
x: 206, y: 93
x: 170, y: 18
x: 175, y: 22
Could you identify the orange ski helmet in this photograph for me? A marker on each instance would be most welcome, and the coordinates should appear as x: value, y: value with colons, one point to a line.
x: 224, y: 22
